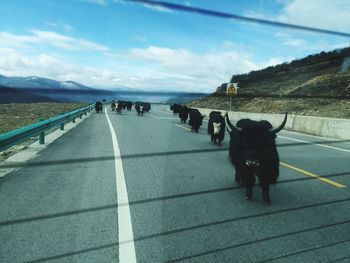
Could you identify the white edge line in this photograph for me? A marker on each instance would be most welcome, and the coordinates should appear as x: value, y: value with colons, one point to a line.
x: 125, y: 233
x: 321, y: 145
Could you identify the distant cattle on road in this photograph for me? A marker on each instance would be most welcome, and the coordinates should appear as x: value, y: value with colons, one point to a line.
x: 147, y: 106
x: 183, y: 113
x: 175, y: 108
x: 196, y: 119
x: 98, y: 107
x: 253, y: 153
x: 129, y: 105
x: 139, y: 108
x: 113, y: 106
x: 119, y: 108
x: 216, y: 127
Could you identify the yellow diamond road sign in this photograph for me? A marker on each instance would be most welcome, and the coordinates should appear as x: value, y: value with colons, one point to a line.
x: 231, y: 89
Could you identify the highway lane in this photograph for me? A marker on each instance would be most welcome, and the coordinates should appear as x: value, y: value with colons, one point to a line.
x: 184, y: 204
x: 64, y: 208
x: 185, y: 207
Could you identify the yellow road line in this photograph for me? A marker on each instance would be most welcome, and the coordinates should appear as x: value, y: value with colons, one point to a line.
x: 312, y: 175
x: 183, y: 127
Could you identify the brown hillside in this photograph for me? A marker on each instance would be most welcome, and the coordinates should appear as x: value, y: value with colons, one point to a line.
x: 318, y: 85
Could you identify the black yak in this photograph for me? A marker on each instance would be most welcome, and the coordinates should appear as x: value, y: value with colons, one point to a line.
x: 113, y: 106
x: 196, y: 119
x: 183, y: 113
x: 98, y: 107
x: 119, y: 107
x: 129, y: 105
x: 253, y: 153
x: 216, y: 127
x: 147, y: 106
x: 140, y: 109
x: 175, y: 108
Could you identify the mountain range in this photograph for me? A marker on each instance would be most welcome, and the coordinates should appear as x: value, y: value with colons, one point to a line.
x: 33, y: 89
x: 33, y: 82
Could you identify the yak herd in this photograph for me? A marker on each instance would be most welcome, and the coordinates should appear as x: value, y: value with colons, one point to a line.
x: 252, y: 147
x: 140, y: 106
x: 120, y: 105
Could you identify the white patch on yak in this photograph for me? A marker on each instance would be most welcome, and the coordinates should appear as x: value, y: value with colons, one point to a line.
x: 217, y: 127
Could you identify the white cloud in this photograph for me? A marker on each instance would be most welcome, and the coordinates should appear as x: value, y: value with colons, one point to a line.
x: 314, y: 45
x: 14, y: 63
x: 174, y: 69
x: 59, y: 24
x: 254, y: 14
x: 149, y: 6
x: 49, y: 38
x: 290, y: 41
x: 97, y: 2
x: 158, y: 8
x: 140, y: 38
x: 152, y: 67
x: 325, y: 14
x: 182, y: 68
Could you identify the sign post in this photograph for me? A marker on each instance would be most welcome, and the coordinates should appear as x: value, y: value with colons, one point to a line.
x: 231, y: 90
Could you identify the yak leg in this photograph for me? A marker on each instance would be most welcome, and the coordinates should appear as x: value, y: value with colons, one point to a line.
x: 249, y: 182
x: 266, y: 194
x: 238, y: 178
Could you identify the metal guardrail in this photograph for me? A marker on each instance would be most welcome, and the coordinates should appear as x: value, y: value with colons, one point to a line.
x: 17, y: 136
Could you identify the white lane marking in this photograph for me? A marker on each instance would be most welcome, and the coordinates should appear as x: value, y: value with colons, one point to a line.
x: 166, y: 118
x: 318, y: 144
x: 169, y: 118
x: 163, y: 111
x: 125, y: 234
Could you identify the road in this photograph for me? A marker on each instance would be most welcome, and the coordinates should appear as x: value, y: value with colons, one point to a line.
x: 180, y: 202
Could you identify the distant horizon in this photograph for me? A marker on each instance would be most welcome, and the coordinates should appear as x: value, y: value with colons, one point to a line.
x: 149, y: 47
x: 101, y: 89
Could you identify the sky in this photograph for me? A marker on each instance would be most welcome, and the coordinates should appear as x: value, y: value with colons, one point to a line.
x: 115, y: 43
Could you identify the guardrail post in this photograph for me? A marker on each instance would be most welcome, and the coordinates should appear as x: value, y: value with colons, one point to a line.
x: 85, y: 113
x: 81, y: 116
x: 62, y: 126
x: 73, y: 120
x: 42, y: 138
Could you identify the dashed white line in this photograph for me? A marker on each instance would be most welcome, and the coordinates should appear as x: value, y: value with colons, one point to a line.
x: 165, y: 118
x: 318, y: 144
x: 127, y: 252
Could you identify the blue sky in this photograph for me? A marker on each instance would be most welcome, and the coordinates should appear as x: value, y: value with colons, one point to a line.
x: 113, y: 43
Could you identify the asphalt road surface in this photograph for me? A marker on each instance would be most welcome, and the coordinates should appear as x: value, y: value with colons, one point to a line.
x: 179, y: 202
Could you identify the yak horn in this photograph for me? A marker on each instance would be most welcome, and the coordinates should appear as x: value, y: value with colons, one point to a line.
x: 233, y: 127
x: 279, y: 128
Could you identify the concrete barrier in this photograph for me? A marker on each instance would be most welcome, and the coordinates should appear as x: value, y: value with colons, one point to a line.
x: 319, y: 126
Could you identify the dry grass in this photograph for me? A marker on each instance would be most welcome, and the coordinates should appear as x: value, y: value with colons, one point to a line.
x: 18, y: 115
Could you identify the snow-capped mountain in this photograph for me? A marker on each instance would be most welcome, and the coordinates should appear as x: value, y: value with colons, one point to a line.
x: 33, y: 82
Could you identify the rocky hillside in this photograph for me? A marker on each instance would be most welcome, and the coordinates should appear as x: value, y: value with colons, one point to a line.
x: 318, y: 85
